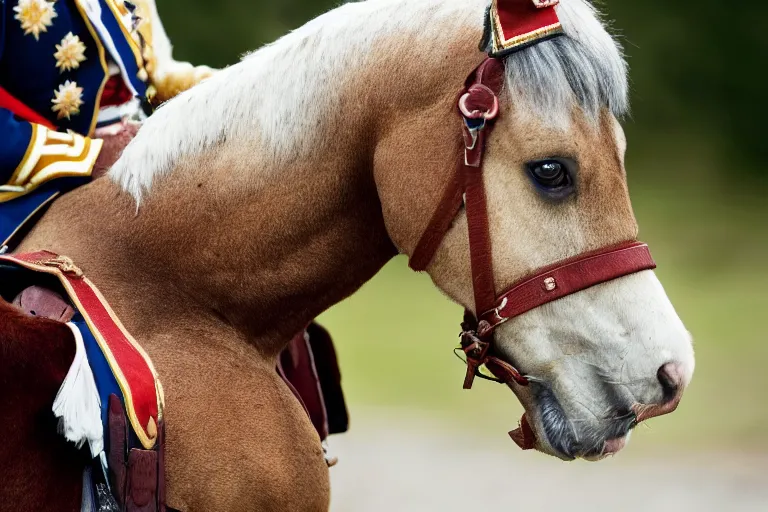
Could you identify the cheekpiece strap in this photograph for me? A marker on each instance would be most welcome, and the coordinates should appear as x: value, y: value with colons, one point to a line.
x: 518, y: 24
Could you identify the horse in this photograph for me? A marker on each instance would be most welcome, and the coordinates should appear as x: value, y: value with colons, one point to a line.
x: 256, y: 200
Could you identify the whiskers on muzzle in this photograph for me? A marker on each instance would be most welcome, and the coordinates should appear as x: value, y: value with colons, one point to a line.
x: 578, y: 437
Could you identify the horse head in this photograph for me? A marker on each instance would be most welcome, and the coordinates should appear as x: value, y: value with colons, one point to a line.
x: 591, y: 365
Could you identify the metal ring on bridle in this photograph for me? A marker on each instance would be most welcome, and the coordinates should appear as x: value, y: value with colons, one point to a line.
x: 479, y: 114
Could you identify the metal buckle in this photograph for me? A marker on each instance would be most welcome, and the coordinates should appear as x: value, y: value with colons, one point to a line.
x: 497, y: 313
x: 478, y: 114
x: 473, y: 127
x: 473, y: 133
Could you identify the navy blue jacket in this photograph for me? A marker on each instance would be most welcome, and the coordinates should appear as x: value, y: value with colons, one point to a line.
x: 54, y: 58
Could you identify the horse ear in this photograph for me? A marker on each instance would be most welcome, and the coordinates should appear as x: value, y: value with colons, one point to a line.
x: 512, y: 25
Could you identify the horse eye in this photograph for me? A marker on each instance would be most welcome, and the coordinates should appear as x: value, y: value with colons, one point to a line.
x: 551, y: 175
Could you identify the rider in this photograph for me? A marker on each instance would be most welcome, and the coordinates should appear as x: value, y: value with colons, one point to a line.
x: 75, y: 78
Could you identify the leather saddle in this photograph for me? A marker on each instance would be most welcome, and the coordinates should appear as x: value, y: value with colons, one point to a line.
x: 310, y: 368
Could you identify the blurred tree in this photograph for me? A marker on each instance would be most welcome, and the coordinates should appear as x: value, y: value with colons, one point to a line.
x: 698, y: 66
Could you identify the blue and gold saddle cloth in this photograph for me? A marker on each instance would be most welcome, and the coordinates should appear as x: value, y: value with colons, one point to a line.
x: 111, y: 398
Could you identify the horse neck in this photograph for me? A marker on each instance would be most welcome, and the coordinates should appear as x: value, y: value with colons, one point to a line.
x: 264, y: 259
x: 233, y: 235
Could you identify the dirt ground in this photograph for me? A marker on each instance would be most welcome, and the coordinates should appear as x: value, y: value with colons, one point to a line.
x: 392, y: 463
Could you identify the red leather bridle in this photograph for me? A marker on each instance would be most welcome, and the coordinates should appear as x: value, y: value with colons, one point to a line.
x: 479, y: 107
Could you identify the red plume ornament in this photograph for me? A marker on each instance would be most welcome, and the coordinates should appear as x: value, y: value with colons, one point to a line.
x: 518, y: 24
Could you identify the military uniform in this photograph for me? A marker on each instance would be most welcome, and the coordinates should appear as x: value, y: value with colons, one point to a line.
x: 68, y: 67
x: 74, y: 70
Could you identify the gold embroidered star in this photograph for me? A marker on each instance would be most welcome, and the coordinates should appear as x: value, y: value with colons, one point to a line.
x: 35, y: 16
x: 70, y: 53
x: 67, y: 100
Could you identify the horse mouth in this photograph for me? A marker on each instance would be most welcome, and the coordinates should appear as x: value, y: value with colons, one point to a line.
x: 610, y: 448
x: 555, y: 435
x: 525, y: 437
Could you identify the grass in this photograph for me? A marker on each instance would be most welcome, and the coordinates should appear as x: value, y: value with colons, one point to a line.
x: 395, y: 336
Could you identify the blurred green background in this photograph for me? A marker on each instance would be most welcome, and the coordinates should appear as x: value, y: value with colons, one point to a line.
x: 698, y: 179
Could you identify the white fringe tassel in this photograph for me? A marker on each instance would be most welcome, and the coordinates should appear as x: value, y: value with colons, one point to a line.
x: 77, y: 403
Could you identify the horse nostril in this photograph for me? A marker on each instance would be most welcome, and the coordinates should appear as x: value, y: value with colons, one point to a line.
x: 670, y: 377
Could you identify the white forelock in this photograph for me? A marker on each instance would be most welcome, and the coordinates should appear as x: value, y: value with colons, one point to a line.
x: 281, y: 94
x: 587, y: 68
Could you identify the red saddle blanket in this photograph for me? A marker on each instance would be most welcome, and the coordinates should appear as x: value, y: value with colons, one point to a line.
x: 131, y: 367
x: 308, y: 365
x: 111, y: 399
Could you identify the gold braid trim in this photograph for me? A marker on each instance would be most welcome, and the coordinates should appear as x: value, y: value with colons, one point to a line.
x: 52, y: 155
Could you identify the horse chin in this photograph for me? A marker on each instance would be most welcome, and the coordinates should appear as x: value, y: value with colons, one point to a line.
x: 533, y: 434
x: 526, y: 439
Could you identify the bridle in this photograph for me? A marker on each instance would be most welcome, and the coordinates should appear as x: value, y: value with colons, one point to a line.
x: 479, y: 107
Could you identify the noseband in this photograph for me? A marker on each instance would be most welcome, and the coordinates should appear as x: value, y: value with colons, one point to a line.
x: 479, y: 107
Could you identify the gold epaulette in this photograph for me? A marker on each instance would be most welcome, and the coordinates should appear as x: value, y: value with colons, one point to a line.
x: 51, y: 155
x: 175, y: 79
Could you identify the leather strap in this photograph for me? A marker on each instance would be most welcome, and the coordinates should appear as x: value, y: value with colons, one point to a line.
x: 568, y: 277
x: 438, y: 226
x: 480, y: 104
x: 479, y: 230
x: 479, y: 107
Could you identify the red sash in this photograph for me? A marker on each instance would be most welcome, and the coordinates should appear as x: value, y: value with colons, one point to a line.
x: 8, y: 102
x: 130, y: 365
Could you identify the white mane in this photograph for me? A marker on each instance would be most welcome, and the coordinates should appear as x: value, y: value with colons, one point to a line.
x: 281, y: 93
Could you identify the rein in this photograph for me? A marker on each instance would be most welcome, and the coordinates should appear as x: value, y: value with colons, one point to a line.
x: 479, y: 107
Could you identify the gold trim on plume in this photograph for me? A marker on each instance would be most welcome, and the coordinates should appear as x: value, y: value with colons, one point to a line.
x: 500, y: 44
